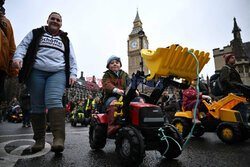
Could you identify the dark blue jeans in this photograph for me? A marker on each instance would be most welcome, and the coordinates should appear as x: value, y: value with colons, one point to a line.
x: 242, y: 108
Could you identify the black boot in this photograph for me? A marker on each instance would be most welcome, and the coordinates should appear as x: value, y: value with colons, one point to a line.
x: 38, y: 125
x: 57, y: 123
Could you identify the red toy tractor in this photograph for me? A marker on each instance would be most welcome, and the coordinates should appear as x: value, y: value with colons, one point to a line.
x: 135, y: 128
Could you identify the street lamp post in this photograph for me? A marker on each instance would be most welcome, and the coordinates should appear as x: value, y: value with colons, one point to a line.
x: 141, y: 35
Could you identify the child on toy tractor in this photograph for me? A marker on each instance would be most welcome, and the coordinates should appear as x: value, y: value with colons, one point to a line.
x: 135, y: 126
x: 190, y: 98
x: 78, y: 116
x: 115, y: 82
x: 217, y: 116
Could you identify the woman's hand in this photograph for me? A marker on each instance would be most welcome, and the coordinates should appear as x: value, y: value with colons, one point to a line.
x: 71, y: 82
x: 17, y: 64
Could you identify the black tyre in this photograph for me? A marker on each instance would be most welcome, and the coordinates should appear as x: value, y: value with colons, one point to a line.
x: 245, y: 132
x: 199, y: 130
x: 174, y: 150
x: 97, y: 135
x: 73, y: 123
x: 183, y: 125
x: 229, y: 132
x: 83, y: 124
x: 130, y: 146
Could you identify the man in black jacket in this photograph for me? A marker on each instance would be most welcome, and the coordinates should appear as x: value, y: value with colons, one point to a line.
x: 229, y: 80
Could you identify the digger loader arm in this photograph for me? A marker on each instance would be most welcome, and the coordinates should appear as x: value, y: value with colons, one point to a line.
x: 174, y: 61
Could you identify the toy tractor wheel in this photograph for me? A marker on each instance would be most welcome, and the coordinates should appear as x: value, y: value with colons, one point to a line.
x: 199, y: 130
x: 73, y: 123
x: 245, y: 132
x: 83, y: 124
x: 130, y: 146
x: 174, y: 149
x: 97, y: 135
x: 183, y: 125
x: 228, y: 132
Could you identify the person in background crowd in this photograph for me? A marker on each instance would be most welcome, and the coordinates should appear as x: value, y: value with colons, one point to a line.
x: 229, y: 80
x: 47, y: 65
x: 170, y: 109
x: 89, y: 106
x: 7, y: 50
x: 72, y: 105
x: 64, y: 99
x: 3, y: 110
x: 25, y: 106
x: 98, y: 104
x: 165, y: 98
x: 13, y: 102
x: 80, y: 109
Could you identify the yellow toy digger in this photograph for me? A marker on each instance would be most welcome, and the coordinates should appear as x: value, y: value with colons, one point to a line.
x: 220, y: 117
x: 172, y: 62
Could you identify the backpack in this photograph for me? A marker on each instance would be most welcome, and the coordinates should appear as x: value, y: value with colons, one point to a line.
x: 215, y: 86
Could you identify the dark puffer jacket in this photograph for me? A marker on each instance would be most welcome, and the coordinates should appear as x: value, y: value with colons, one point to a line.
x: 229, y: 78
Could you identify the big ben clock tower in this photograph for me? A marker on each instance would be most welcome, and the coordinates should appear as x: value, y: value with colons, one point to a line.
x: 137, y: 41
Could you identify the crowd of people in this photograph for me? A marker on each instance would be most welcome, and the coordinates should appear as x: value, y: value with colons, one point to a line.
x: 86, y: 105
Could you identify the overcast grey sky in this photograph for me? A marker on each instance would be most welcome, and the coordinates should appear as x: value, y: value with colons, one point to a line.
x: 100, y: 28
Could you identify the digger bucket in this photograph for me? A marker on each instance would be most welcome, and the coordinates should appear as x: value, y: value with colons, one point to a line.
x: 174, y: 61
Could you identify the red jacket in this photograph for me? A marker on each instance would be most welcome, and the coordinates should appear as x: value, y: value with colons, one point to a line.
x: 190, y: 95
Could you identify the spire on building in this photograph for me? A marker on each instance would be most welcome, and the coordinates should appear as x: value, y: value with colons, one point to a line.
x: 236, y: 27
x: 137, y: 17
x: 137, y: 25
x: 237, y: 44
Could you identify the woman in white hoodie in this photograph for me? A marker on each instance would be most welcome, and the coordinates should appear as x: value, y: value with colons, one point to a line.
x: 47, y: 65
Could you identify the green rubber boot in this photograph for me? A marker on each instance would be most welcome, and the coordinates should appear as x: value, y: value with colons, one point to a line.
x: 38, y: 125
x: 57, y: 123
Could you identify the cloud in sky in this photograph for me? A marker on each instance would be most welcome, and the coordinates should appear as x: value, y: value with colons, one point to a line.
x: 100, y: 28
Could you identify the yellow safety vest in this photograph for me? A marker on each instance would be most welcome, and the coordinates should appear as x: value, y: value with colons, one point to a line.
x: 93, y: 104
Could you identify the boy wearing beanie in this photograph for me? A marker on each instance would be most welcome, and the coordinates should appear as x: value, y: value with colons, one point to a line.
x: 114, y: 81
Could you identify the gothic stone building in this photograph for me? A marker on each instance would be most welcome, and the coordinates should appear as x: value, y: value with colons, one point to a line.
x: 242, y: 55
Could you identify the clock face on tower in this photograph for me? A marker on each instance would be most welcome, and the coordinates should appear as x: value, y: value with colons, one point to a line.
x: 133, y: 44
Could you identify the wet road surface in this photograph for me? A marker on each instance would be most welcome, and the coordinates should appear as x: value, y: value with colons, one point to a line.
x: 205, y: 151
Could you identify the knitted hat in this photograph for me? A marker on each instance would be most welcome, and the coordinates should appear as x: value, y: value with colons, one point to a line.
x: 113, y: 57
x: 227, y: 57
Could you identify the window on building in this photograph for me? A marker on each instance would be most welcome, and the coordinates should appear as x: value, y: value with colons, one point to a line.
x: 246, y: 69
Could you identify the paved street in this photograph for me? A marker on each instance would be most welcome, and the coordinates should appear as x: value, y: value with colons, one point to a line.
x: 208, y: 150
